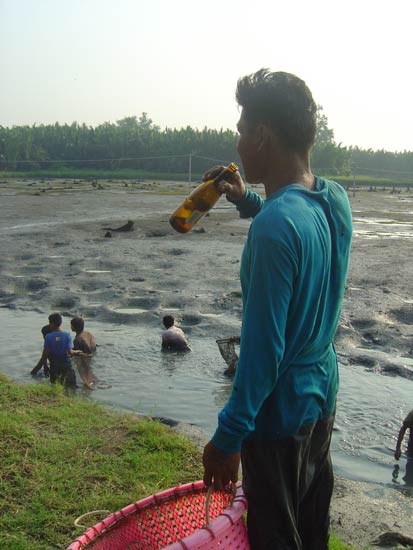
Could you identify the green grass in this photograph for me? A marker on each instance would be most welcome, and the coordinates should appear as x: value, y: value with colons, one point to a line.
x: 62, y: 457
x: 95, y: 173
x: 336, y: 544
x: 367, y: 181
x: 136, y: 174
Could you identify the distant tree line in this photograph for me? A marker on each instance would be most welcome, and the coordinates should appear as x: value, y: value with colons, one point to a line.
x: 140, y: 144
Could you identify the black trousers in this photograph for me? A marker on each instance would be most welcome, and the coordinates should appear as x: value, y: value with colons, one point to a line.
x: 289, y: 484
x: 62, y: 371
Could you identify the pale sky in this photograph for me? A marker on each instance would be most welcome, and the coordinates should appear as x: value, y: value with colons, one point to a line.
x: 179, y: 60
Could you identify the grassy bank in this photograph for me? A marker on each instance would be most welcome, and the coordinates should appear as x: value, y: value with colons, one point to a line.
x: 91, y: 173
x: 369, y: 181
x: 62, y: 457
x: 141, y: 175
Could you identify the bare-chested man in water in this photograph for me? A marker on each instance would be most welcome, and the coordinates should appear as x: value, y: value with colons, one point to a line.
x: 85, y: 342
x: 173, y: 338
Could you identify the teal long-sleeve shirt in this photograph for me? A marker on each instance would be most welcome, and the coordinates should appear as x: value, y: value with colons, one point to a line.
x: 293, y: 272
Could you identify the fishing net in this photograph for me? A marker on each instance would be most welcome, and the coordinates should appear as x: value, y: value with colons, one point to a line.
x: 226, y: 348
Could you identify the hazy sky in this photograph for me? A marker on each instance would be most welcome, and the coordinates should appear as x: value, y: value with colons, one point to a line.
x: 178, y: 60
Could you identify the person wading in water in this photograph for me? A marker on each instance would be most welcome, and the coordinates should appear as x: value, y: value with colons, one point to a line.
x: 58, y: 348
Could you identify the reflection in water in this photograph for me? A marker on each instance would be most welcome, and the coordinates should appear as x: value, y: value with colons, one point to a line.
x: 85, y: 392
x: 222, y: 392
x: 408, y: 477
x: 170, y: 359
x: 84, y: 368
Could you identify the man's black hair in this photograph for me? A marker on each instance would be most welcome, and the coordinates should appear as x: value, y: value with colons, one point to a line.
x: 78, y: 324
x: 281, y: 101
x: 168, y: 321
x: 55, y: 319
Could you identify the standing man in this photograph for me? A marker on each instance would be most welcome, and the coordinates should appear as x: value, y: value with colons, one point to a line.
x: 86, y: 343
x: 58, y: 349
x: 84, y: 340
x: 280, y: 414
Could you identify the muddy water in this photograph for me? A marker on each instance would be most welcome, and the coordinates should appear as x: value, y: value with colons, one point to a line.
x: 136, y: 376
x: 54, y: 257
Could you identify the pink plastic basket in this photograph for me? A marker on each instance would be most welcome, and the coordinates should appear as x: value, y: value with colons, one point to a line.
x: 173, y: 520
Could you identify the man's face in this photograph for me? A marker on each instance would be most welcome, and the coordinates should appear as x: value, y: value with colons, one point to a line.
x: 248, y: 150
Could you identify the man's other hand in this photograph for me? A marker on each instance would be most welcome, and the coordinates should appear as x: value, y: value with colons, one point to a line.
x: 219, y: 468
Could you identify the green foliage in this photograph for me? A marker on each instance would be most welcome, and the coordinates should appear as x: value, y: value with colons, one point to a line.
x: 324, y: 135
x: 157, y: 150
x: 97, y: 173
x: 138, y: 144
x: 327, y: 156
x: 382, y: 163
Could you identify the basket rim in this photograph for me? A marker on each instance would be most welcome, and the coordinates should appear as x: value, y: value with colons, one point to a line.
x: 211, y: 531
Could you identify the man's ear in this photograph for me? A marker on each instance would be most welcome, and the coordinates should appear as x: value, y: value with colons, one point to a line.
x: 262, y: 136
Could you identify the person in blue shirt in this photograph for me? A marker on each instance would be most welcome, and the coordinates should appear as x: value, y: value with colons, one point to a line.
x: 58, y: 348
x: 279, y: 417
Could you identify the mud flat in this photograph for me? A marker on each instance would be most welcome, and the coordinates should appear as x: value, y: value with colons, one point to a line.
x: 55, y: 256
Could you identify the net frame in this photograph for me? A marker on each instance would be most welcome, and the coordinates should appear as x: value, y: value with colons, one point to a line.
x: 226, y: 348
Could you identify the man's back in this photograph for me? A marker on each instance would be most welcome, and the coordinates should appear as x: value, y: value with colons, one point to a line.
x: 174, y: 338
x: 312, y: 231
x: 85, y: 341
x: 58, y: 344
x: 293, y: 273
x: 316, y: 243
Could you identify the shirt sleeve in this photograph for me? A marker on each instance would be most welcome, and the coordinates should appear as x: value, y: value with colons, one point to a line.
x: 69, y: 342
x: 250, y: 204
x: 272, y: 271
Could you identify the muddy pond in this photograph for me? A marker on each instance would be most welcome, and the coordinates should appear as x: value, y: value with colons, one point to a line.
x: 55, y: 257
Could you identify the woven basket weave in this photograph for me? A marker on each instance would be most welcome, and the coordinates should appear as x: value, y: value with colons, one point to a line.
x: 173, y: 520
